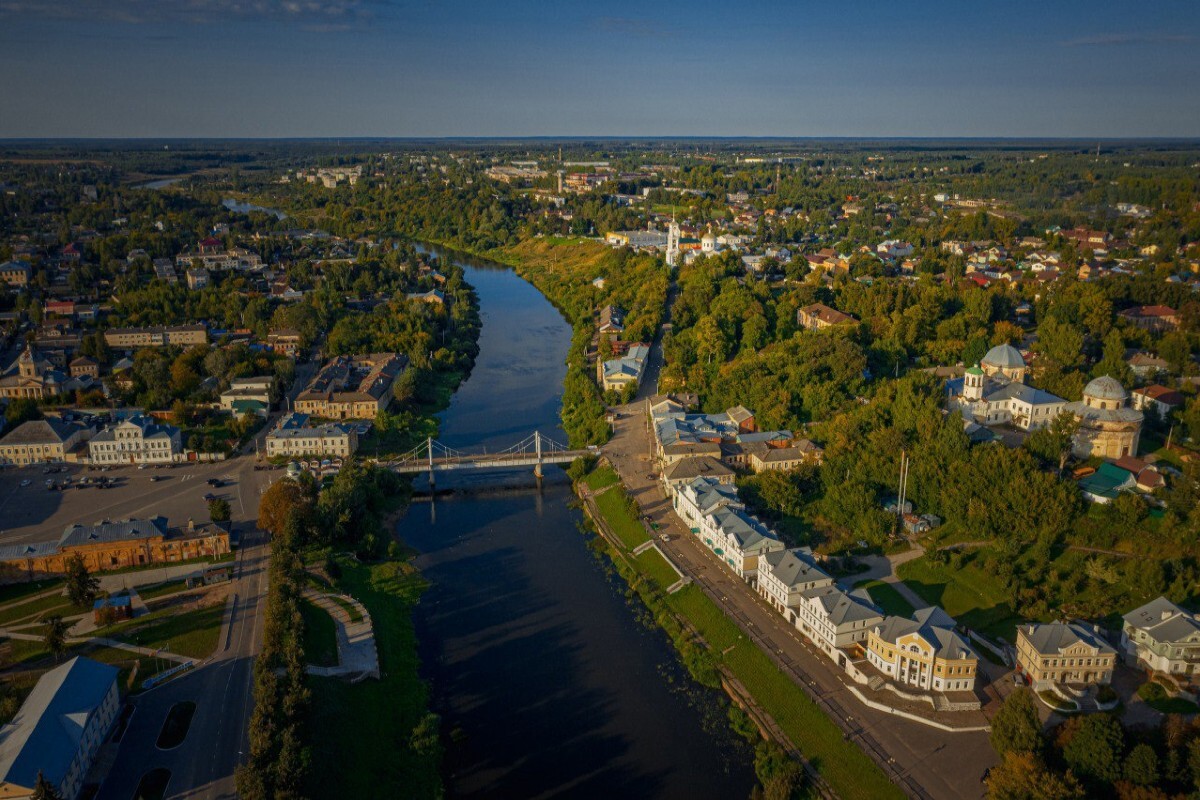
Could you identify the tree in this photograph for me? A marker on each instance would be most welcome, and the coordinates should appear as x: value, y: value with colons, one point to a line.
x: 1141, y: 766
x: 43, y: 789
x: 277, y: 502
x: 56, y: 636
x: 1023, y: 776
x: 82, y: 586
x: 218, y: 510
x: 1052, y: 443
x: 1094, y: 751
x: 1017, y: 728
x: 21, y: 410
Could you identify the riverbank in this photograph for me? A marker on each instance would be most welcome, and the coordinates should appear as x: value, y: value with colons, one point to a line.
x: 379, y: 733
x: 579, y: 276
x: 718, y: 654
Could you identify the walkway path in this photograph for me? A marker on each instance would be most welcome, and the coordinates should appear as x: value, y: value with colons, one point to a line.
x: 357, y: 656
x: 883, y: 568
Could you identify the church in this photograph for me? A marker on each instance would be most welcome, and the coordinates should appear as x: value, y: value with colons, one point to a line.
x: 36, y: 378
x: 994, y: 392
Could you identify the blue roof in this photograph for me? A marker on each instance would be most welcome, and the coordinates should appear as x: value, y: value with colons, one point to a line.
x: 46, y: 732
x: 113, y: 602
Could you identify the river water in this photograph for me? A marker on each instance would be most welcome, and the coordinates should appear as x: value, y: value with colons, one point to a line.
x: 547, y: 681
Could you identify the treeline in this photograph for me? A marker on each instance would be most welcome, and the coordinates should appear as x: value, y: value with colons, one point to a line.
x: 279, y: 759
x: 348, y: 513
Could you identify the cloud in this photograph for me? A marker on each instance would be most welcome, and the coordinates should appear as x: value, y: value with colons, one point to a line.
x: 1111, y: 39
x: 318, y: 14
x: 627, y: 26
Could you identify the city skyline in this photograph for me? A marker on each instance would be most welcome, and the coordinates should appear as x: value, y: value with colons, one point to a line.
x: 370, y: 68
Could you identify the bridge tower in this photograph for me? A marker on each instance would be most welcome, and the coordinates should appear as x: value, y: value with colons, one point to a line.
x: 429, y: 449
x: 537, y: 470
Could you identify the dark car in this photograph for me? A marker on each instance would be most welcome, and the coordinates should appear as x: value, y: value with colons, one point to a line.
x: 210, y: 496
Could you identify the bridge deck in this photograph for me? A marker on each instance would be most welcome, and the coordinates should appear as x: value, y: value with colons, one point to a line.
x: 484, y: 461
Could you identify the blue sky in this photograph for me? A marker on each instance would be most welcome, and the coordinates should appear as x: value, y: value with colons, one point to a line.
x: 518, y: 67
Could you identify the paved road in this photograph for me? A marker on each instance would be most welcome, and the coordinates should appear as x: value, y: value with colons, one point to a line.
x: 203, y: 766
x: 944, y: 765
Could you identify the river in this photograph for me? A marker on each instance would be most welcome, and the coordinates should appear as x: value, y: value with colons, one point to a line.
x: 547, y: 681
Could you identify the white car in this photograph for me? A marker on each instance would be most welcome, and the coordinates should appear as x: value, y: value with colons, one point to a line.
x: 26, y: 482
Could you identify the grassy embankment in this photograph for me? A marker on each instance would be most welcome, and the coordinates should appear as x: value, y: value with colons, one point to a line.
x: 721, y: 645
x: 378, y: 733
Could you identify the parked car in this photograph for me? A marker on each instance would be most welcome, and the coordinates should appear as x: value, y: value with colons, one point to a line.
x: 209, y: 496
x: 26, y: 482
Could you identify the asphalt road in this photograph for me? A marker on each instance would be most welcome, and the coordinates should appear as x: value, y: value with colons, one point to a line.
x: 203, y: 765
x: 942, y: 764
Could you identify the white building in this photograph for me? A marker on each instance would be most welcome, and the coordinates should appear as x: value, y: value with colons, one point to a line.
x: 1163, y: 637
x: 994, y: 392
x: 834, y: 619
x: 59, y: 728
x: 785, y: 575
x: 322, y: 441
x: 137, y: 440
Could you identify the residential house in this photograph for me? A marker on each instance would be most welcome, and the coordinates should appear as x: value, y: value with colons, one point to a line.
x: 1151, y: 318
x: 818, y: 316
x: 925, y: 652
x: 1162, y: 637
x: 785, y: 575
x: 686, y: 470
x: 285, y: 340
x: 617, y: 373
x: 197, y: 278
x: 1162, y: 399
x: 836, y: 620
x: 16, y: 273
x: 59, y: 728
x: 739, y: 539
x: 1146, y: 366
x: 1062, y: 653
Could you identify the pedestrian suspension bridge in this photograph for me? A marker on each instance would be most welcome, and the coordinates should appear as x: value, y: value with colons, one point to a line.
x: 534, y: 451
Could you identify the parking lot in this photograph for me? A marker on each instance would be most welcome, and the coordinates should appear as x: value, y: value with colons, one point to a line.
x: 31, y: 512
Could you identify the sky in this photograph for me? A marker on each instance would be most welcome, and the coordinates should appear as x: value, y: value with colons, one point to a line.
x: 384, y: 68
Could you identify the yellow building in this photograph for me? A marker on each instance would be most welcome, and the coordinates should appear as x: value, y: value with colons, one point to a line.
x: 1064, y: 653
x: 924, y: 652
x: 1108, y: 426
x: 131, y: 338
x: 41, y: 440
x: 352, y: 387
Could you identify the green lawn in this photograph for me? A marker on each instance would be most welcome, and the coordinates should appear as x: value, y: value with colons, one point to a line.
x: 627, y: 527
x: 19, y: 591
x: 363, y: 734
x: 192, y: 633
x: 973, y: 597
x: 652, y: 564
x: 40, y: 608
x: 320, y: 636
x: 598, y: 478
x: 887, y: 598
x: 162, y: 589
x: 851, y: 773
